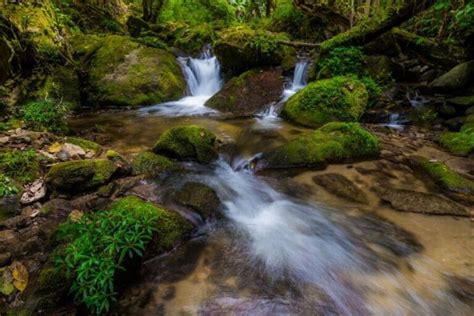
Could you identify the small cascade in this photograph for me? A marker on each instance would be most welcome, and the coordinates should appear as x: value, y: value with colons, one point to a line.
x: 395, y: 122
x: 416, y: 100
x: 203, y: 78
x: 269, y: 118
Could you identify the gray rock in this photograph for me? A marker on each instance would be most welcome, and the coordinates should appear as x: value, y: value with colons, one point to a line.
x: 339, y: 185
x: 419, y: 202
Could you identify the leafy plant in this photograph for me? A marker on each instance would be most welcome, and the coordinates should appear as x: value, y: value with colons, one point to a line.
x: 7, y: 187
x: 23, y: 165
x: 98, y: 245
x: 45, y: 115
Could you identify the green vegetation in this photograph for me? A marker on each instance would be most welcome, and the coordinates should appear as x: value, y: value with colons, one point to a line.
x: 187, y: 143
x: 197, y: 12
x: 332, y: 143
x: 7, y: 187
x: 83, y: 143
x: 151, y: 165
x: 336, y: 99
x: 45, y: 116
x: 80, y: 175
x: 100, y: 245
x: 23, y: 166
x: 460, y: 143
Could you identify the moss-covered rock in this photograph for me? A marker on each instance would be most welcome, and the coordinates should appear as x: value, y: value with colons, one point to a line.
x: 242, y: 48
x: 336, y: 99
x: 84, y: 144
x: 456, y: 79
x: 187, y: 143
x: 151, y: 165
x: 200, y: 198
x: 124, y: 73
x: 80, y: 175
x: 460, y: 143
x: 248, y: 93
x: 171, y: 227
x: 332, y: 143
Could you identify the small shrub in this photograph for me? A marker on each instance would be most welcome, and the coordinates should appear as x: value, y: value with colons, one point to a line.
x: 98, y: 245
x: 45, y: 115
x: 23, y: 166
x: 7, y: 187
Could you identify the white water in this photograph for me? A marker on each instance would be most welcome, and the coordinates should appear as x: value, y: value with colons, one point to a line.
x: 395, y: 122
x: 269, y: 119
x: 312, y: 246
x: 203, y: 78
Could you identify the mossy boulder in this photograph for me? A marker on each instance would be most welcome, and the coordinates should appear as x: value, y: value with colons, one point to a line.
x: 187, y: 143
x: 125, y: 73
x: 248, y: 93
x: 200, y: 198
x: 335, y: 99
x: 460, y: 143
x: 241, y: 48
x: 334, y: 142
x: 171, y: 227
x: 150, y: 164
x: 80, y: 175
x: 85, y: 144
x: 457, y: 79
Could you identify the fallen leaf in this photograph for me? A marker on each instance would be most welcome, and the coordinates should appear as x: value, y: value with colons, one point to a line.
x: 20, y: 275
x: 54, y: 148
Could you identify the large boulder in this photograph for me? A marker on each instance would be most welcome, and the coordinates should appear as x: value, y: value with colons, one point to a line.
x: 457, y: 79
x: 460, y: 143
x: 200, y: 198
x: 241, y: 48
x: 332, y: 143
x: 335, y: 99
x: 248, y: 93
x: 187, y: 143
x: 80, y: 175
x: 151, y: 165
x: 124, y: 73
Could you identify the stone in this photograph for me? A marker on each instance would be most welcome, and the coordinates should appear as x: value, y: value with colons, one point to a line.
x: 70, y: 152
x: 341, y: 186
x: 200, y: 198
x: 33, y: 192
x: 457, y: 79
x: 419, y: 202
x: 5, y: 259
x: 248, y: 93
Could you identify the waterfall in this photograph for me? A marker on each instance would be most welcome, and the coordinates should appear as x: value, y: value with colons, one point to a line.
x: 269, y: 117
x: 203, y: 79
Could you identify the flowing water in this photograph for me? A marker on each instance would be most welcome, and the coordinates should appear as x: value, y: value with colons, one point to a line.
x: 286, y: 246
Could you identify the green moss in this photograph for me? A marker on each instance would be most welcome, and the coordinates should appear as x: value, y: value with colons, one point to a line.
x: 349, y: 37
x: 241, y: 48
x: 462, y: 142
x: 50, y: 280
x: 149, y: 164
x: 333, y: 142
x: 45, y: 115
x: 80, y: 175
x: 84, y: 143
x: 197, y: 12
x: 335, y: 99
x: 445, y: 177
x: 200, y: 198
x: 10, y: 124
x: 187, y: 143
x: 23, y: 166
x: 171, y: 227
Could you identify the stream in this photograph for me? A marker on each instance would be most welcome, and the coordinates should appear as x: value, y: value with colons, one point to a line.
x: 285, y: 245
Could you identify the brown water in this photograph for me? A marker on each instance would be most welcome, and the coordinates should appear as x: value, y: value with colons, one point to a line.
x: 288, y: 246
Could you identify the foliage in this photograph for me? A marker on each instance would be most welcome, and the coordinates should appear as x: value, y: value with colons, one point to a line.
x: 99, y: 244
x: 460, y: 143
x: 7, y: 187
x: 45, y: 115
x: 23, y: 166
x: 197, y: 11
x: 288, y: 18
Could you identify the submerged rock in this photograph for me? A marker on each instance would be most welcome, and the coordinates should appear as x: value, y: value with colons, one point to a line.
x: 341, y: 186
x: 248, y: 93
x: 187, y: 143
x: 323, y: 101
x: 200, y: 198
x: 332, y: 143
x: 419, y: 202
x: 79, y: 175
x: 123, y: 72
x: 457, y: 79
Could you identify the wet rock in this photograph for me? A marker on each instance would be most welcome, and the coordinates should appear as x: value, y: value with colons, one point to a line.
x: 462, y: 102
x: 90, y: 202
x: 200, y: 198
x: 419, y: 202
x: 248, y: 93
x: 332, y: 143
x: 187, y: 143
x: 462, y: 288
x: 456, y: 79
x: 311, y: 106
x: 10, y: 205
x: 151, y: 165
x: 80, y: 175
x: 58, y: 208
x: 33, y: 192
x: 15, y: 222
x: 341, y: 186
